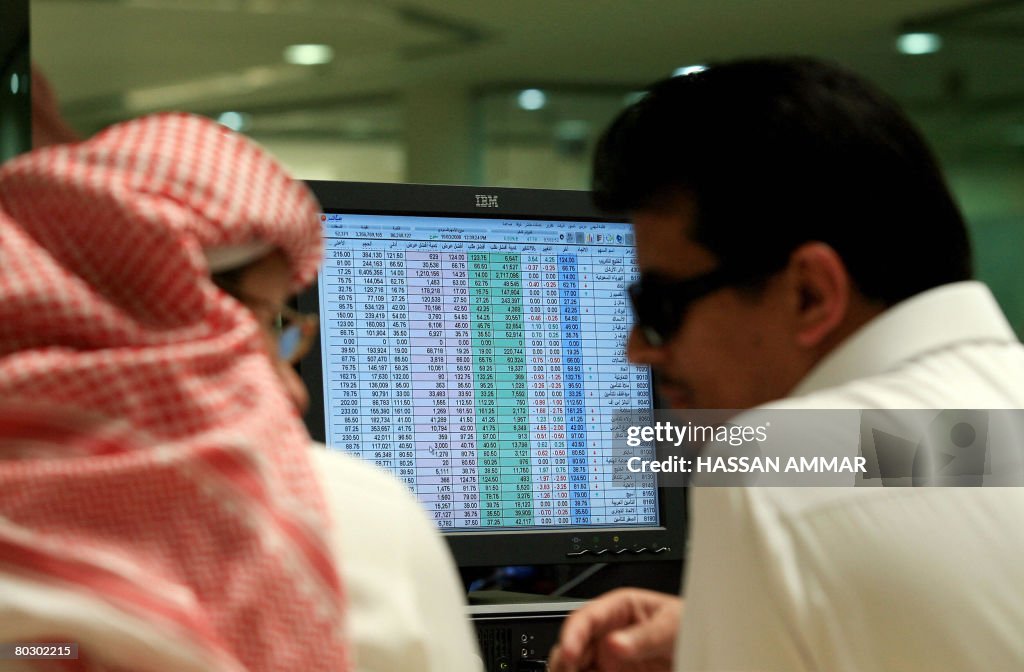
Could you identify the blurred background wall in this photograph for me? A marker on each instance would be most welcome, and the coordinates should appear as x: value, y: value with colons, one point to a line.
x: 515, y: 93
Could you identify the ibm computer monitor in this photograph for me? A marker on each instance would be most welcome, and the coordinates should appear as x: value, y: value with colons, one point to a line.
x: 472, y: 344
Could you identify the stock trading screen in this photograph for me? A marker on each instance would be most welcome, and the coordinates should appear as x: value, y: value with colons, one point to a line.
x: 482, y: 363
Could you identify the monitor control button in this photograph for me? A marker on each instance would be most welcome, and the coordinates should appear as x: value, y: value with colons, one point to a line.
x: 577, y: 554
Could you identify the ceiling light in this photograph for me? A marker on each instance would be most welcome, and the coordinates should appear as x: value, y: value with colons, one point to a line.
x: 532, y: 99
x: 236, y: 121
x: 915, y: 44
x: 689, y: 70
x: 15, y: 83
x: 309, y: 54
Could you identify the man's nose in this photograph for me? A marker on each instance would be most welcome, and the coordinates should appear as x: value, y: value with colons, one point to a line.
x: 294, y: 386
x: 640, y: 351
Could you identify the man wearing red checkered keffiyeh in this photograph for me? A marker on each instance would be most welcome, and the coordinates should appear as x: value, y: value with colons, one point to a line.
x: 155, y: 487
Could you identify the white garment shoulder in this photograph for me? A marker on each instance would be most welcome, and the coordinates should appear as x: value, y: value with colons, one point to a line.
x: 406, y: 606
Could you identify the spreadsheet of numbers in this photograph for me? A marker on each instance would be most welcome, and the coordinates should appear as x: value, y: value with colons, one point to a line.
x: 482, y: 363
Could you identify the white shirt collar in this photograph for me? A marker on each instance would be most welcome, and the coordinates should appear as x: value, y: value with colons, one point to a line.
x: 932, y: 320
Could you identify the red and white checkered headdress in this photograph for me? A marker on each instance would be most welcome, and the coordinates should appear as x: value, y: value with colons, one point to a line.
x: 150, y: 462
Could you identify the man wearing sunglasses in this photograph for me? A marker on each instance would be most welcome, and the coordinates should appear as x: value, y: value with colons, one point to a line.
x: 796, y: 240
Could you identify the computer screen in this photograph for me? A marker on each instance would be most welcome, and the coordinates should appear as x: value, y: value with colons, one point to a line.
x: 472, y: 343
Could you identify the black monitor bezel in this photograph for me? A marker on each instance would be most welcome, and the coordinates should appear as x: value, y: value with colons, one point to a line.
x: 502, y: 547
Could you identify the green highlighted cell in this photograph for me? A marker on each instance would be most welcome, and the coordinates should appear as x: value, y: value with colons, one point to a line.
x: 497, y: 324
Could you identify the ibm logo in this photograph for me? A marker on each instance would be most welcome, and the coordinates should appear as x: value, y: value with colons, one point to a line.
x: 486, y: 201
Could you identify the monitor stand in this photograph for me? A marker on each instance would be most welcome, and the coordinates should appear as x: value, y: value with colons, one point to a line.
x: 516, y: 630
x: 516, y: 636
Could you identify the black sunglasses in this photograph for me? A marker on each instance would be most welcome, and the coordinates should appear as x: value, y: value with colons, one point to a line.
x: 660, y: 303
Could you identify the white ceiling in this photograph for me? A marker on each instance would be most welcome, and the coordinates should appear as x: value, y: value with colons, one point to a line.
x: 109, y: 59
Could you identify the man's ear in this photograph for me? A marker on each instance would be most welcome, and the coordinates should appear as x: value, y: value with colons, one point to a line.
x: 823, y: 287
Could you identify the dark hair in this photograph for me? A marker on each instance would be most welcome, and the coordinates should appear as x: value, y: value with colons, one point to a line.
x: 779, y: 152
